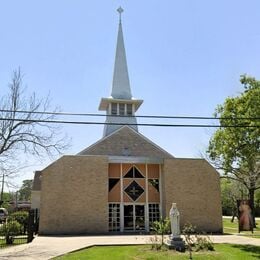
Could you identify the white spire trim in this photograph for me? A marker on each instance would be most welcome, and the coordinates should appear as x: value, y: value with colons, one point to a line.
x: 121, y: 85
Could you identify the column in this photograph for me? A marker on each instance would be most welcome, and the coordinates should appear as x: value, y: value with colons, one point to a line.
x: 146, y: 200
x: 121, y: 200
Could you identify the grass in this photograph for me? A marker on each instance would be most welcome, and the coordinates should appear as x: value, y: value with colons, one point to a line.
x: 17, y: 241
x: 222, y: 251
x: 232, y: 228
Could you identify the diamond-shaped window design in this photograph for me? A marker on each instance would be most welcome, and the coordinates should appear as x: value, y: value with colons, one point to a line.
x: 134, y: 190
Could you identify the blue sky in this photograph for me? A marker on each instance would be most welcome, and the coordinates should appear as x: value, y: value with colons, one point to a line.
x: 184, y: 58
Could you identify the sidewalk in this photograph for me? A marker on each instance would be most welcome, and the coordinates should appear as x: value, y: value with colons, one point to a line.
x: 46, y: 247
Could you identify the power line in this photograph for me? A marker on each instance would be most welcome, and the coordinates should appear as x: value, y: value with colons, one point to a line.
x: 137, y: 116
x: 138, y: 124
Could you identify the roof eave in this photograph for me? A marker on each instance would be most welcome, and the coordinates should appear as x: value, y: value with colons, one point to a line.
x: 103, y: 105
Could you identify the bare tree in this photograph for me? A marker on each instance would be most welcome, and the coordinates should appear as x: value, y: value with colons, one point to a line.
x: 24, y: 128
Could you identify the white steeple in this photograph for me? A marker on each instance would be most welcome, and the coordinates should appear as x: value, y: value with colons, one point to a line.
x: 121, y: 86
x: 120, y: 106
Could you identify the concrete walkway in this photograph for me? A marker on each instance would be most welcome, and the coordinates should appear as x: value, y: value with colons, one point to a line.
x: 47, y: 247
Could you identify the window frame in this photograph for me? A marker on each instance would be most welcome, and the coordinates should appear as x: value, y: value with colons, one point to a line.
x: 153, y: 213
x: 114, y: 221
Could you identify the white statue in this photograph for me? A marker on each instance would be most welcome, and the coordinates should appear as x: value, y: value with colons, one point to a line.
x: 175, y: 220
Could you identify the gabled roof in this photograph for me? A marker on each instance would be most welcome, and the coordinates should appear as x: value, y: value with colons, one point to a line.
x: 126, y: 142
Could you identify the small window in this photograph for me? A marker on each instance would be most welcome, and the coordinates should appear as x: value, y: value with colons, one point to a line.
x: 114, y: 217
x: 114, y: 109
x: 154, y: 183
x: 129, y: 110
x: 121, y: 109
x: 154, y: 213
x: 133, y: 173
x: 112, y: 183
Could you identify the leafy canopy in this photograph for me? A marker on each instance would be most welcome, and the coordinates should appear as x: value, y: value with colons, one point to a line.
x: 237, y: 148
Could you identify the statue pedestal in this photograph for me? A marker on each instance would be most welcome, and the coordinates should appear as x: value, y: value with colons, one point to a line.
x: 176, y: 243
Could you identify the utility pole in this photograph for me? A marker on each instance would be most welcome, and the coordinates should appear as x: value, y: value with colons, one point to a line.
x: 16, y: 200
x: 2, y: 190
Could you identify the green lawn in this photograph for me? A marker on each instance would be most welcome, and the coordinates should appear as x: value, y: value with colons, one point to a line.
x: 17, y: 241
x: 222, y: 251
x: 232, y: 228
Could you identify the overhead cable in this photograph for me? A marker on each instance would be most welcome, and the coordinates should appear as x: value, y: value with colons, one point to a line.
x: 128, y: 124
x: 137, y: 116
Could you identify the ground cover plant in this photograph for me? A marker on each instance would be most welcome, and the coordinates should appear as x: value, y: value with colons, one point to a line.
x: 222, y: 251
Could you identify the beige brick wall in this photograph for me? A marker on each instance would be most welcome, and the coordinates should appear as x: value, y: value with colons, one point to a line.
x: 35, y: 199
x: 74, y: 196
x: 136, y: 144
x: 195, y: 186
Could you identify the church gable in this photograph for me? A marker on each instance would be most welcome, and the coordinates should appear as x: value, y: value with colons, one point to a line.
x: 126, y: 142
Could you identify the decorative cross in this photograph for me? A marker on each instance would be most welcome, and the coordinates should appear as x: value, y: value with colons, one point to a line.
x: 120, y: 11
x: 133, y: 191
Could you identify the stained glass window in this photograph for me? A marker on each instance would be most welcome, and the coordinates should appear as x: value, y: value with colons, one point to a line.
x: 133, y: 173
x: 112, y: 183
x: 154, y: 183
x: 134, y: 190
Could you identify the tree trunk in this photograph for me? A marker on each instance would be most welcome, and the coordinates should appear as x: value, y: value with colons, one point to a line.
x: 252, y: 204
x: 233, y: 217
x: 234, y: 214
x: 9, y: 239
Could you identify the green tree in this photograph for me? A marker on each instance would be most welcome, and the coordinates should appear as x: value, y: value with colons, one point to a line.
x: 7, y: 197
x: 236, y: 150
x: 231, y: 191
x: 25, y: 191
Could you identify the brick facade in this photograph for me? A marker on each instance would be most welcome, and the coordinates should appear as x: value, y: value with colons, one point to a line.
x: 126, y: 142
x: 195, y: 186
x: 74, y: 196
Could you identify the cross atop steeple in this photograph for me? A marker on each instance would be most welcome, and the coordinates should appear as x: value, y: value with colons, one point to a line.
x: 120, y: 11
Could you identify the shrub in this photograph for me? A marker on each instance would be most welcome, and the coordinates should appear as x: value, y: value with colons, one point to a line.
x: 188, y: 232
x: 203, y: 243
x: 10, y: 229
x: 195, y: 240
x: 21, y: 217
x: 155, y: 243
x: 161, y: 227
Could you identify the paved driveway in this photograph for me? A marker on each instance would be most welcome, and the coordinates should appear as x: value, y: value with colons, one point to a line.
x: 46, y: 247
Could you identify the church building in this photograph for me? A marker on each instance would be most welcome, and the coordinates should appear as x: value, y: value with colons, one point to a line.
x: 124, y: 182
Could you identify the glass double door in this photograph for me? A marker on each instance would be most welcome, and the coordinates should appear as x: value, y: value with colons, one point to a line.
x: 134, y: 217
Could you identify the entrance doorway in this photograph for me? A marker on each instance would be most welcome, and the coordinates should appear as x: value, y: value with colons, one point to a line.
x: 134, y: 217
